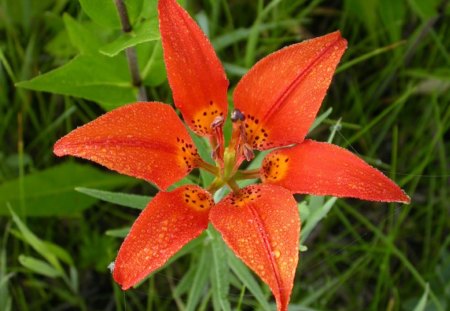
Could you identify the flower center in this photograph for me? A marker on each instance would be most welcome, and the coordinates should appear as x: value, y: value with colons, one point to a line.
x: 229, y: 159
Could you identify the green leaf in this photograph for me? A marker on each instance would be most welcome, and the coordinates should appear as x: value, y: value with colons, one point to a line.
x: 51, y: 192
x: 393, y: 18
x: 122, y: 199
x: 185, y: 284
x: 94, y: 77
x: 371, y: 54
x: 219, y: 271
x: 150, y: 9
x: 145, y: 32
x: 38, y: 266
x: 364, y: 12
x: 60, y: 46
x: 423, y: 300
x: 5, y: 277
x: 80, y: 36
x: 246, y: 277
x: 232, y: 37
x: 320, y: 119
x: 118, y: 233
x: 317, y: 211
x: 303, y: 210
x: 187, y: 249
x: 424, y: 9
x: 104, y: 12
x: 151, y: 60
x: 59, y: 252
x: 37, y: 244
x: 200, y: 280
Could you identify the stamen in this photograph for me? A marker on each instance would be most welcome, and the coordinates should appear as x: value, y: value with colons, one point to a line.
x: 217, y: 140
x: 237, y: 115
x: 218, y: 121
x: 243, y: 151
x: 247, y: 174
x: 248, y: 152
x: 206, y: 166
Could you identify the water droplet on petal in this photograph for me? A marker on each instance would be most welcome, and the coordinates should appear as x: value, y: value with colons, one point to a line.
x: 276, y: 253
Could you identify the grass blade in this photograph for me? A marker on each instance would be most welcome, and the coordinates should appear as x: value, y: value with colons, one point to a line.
x: 122, y: 199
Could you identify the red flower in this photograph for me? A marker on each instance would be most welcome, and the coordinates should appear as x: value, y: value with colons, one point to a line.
x: 275, y: 104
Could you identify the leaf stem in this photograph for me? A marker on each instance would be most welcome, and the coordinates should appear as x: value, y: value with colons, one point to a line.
x: 131, y: 52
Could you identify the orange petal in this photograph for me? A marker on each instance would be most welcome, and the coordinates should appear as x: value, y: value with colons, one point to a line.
x: 196, y: 76
x: 169, y: 221
x: 145, y: 140
x: 261, y: 225
x: 285, y: 90
x: 325, y: 169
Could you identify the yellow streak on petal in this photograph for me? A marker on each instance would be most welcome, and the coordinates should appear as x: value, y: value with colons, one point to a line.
x: 197, y: 200
x: 275, y: 167
x: 201, y: 123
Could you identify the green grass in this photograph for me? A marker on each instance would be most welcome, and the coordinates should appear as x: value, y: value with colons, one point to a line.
x: 391, y: 93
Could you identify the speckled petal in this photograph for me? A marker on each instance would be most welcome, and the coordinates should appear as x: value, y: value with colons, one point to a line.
x: 196, y: 76
x: 170, y: 220
x: 144, y: 140
x: 262, y: 226
x: 325, y: 169
x: 285, y: 90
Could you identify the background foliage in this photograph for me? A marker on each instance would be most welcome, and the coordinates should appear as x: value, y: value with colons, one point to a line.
x: 62, y: 63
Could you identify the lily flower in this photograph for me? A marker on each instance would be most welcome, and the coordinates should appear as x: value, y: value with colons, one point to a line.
x: 275, y: 103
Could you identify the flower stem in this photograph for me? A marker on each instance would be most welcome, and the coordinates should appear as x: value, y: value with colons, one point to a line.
x: 131, y: 52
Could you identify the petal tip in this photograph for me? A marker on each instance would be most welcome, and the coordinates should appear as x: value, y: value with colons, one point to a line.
x: 195, y: 74
x: 406, y: 199
x: 397, y: 194
x: 118, y: 278
x: 58, y: 148
x: 342, y: 41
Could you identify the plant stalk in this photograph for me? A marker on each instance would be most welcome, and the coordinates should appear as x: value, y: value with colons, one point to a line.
x: 131, y: 52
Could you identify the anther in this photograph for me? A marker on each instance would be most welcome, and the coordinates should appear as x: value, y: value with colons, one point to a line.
x: 217, y: 122
x: 237, y: 115
x: 248, y: 152
x: 215, y: 152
